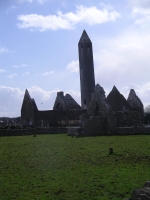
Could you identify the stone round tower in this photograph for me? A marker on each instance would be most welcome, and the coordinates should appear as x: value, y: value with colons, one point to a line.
x: 86, y: 65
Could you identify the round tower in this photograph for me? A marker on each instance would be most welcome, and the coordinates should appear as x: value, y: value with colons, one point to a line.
x: 86, y: 65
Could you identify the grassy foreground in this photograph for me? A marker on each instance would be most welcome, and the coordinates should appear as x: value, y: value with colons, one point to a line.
x: 60, y: 167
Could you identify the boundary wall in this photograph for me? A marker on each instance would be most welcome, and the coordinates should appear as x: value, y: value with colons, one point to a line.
x: 32, y: 131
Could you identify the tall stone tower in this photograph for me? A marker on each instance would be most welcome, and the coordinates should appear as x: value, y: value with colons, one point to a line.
x: 86, y: 65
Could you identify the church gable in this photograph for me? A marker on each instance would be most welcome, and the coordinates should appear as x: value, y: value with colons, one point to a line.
x: 98, y: 105
x: 27, y: 109
x: 117, y: 100
x: 136, y: 103
x: 65, y: 102
x: 71, y: 103
x: 134, y: 100
x: 60, y: 102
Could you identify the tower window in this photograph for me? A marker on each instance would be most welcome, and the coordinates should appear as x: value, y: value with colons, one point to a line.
x: 81, y: 66
x: 84, y: 101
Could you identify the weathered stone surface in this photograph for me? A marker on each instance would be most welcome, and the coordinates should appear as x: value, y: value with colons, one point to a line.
x: 133, y: 130
x: 98, y: 119
x: 58, y: 117
x: 84, y: 38
x: 66, y: 112
x: 75, y: 131
x: 65, y: 102
x: 142, y: 193
x: 98, y: 105
x: 101, y: 119
x: 147, y: 184
x: 86, y: 69
x: 96, y: 125
x: 71, y: 103
x: 99, y: 115
x: 33, y: 131
x: 117, y: 100
x: 136, y: 103
x: 28, y: 110
x: 127, y: 118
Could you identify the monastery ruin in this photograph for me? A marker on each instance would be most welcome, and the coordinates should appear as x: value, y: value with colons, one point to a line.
x: 97, y: 115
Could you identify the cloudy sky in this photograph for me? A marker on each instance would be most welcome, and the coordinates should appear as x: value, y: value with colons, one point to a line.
x: 39, y: 48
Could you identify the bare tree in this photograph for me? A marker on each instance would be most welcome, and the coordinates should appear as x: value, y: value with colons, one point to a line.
x: 147, y: 109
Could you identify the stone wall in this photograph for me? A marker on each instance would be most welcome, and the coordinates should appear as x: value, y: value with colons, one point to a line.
x: 139, y: 130
x: 75, y: 131
x: 101, y: 119
x: 98, y: 105
x: 133, y: 130
x: 127, y: 118
x: 117, y: 101
x: 54, y: 117
x: 27, y: 110
x: 32, y: 131
x: 136, y: 104
x: 65, y: 102
x: 96, y: 126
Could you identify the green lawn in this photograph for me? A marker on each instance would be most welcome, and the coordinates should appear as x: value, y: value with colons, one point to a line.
x: 65, y: 168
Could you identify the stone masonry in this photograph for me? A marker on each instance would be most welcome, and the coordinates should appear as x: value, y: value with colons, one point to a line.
x: 136, y: 103
x: 98, y: 114
x: 86, y: 69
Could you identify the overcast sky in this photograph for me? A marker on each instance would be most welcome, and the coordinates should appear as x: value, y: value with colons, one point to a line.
x: 39, y: 48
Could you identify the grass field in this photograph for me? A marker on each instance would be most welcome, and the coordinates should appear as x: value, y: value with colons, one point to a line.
x: 60, y: 167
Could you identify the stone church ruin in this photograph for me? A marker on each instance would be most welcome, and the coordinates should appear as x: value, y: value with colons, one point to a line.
x: 97, y: 115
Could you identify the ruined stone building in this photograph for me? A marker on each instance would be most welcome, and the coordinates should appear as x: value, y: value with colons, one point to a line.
x: 97, y: 112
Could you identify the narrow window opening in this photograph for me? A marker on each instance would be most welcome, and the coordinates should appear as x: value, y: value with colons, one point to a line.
x: 96, y: 110
x: 84, y: 101
x: 81, y: 66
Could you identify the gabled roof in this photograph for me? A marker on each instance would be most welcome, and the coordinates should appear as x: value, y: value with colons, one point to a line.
x: 71, y: 103
x: 134, y: 100
x: 98, y: 104
x: 27, y: 94
x: 117, y: 100
x: 34, y: 104
x: 32, y: 101
x: 65, y: 102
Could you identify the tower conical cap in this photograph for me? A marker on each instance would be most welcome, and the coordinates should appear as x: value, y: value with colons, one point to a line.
x: 84, y: 38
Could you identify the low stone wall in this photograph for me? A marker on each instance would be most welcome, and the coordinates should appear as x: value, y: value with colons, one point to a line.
x: 141, y: 130
x: 133, y: 130
x: 75, y: 131
x: 32, y: 131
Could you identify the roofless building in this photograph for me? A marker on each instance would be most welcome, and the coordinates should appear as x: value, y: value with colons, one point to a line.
x: 97, y: 114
